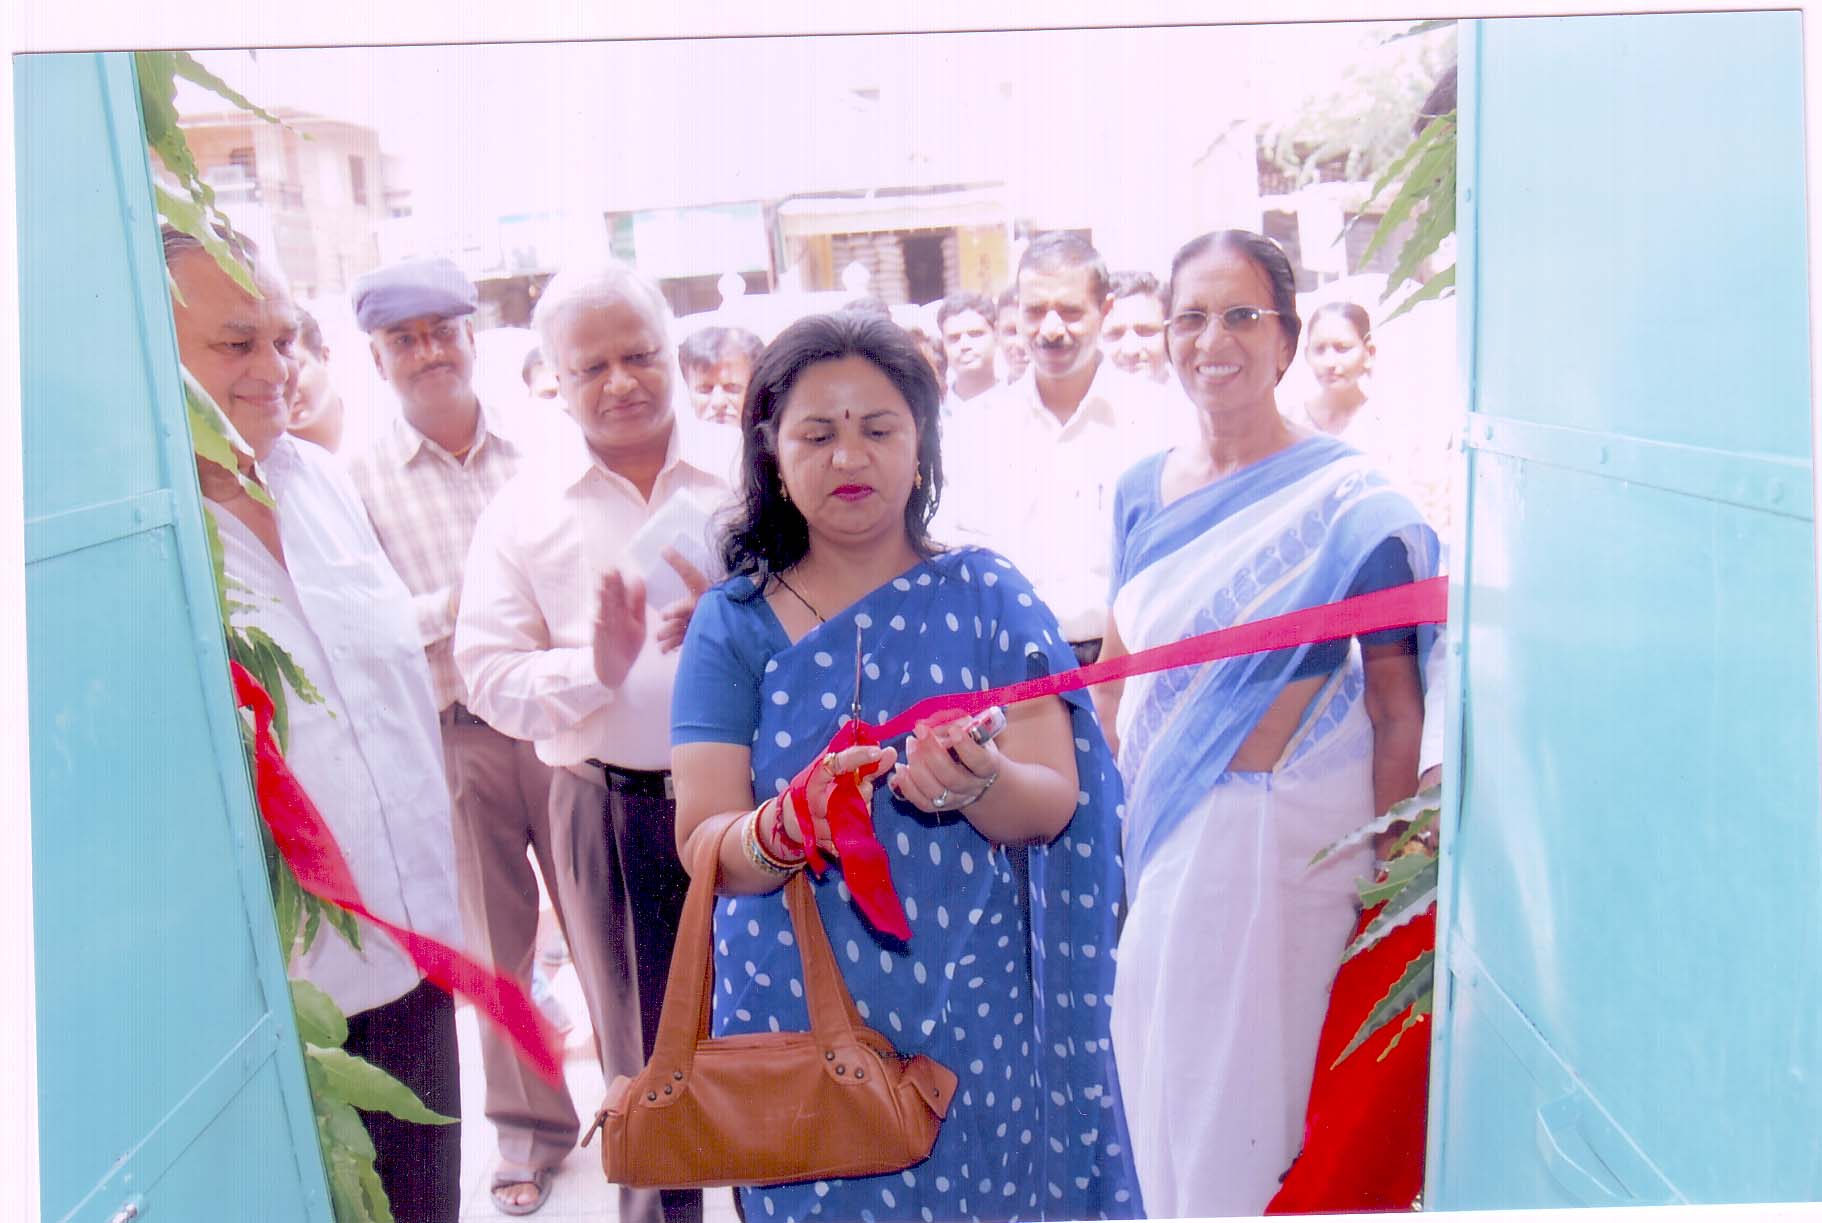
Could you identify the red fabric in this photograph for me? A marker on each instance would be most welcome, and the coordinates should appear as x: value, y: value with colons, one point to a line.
x: 1363, y: 1133
x: 863, y: 858
x: 309, y: 847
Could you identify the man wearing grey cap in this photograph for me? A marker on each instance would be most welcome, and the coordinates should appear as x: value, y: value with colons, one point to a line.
x: 425, y: 480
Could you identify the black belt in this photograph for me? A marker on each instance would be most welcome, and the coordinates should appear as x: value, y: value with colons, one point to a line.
x: 459, y: 714
x: 1086, y: 651
x: 636, y: 783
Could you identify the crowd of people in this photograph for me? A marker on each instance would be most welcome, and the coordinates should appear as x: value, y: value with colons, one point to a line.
x: 520, y: 663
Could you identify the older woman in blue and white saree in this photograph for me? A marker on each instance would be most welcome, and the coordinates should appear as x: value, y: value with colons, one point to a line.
x: 1003, y: 851
x: 1239, y: 771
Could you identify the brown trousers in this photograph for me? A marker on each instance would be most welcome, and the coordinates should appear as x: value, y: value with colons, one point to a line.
x: 500, y: 798
x: 625, y: 848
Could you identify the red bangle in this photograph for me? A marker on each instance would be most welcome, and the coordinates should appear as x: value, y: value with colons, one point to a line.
x: 792, y: 850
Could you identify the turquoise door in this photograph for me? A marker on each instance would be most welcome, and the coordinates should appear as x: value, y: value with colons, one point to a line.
x: 171, y: 1085
x: 1632, y: 999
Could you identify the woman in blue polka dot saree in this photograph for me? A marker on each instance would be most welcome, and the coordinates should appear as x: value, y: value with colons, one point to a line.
x: 1003, y: 852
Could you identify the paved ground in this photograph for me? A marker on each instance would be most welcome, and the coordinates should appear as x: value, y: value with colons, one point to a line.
x: 578, y: 1191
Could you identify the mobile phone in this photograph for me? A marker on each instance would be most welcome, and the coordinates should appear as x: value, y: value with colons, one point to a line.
x: 986, y: 724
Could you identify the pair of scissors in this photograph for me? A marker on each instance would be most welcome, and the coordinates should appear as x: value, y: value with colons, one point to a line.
x: 854, y: 708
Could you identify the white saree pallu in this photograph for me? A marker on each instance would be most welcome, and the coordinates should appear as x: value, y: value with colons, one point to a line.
x: 1233, y: 938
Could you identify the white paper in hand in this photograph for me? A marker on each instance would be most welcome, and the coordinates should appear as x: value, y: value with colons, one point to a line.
x: 680, y: 524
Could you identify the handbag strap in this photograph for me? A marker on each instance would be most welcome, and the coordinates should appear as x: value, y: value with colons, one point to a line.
x: 690, y: 988
x: 833, y: 1016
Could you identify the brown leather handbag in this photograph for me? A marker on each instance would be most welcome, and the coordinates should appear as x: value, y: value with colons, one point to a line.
x: 765, y: 1108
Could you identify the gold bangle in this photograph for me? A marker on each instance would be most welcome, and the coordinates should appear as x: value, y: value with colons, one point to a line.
x: 756, y: 852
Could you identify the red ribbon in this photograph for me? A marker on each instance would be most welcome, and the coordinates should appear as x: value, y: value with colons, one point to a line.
x: 863, y: 858
x: 850, y: 816
x: 309, y: 847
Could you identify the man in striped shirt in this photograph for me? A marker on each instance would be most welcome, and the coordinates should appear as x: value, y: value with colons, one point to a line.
x: 425, y: 479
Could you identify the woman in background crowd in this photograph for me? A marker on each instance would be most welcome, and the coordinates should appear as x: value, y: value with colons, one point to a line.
x: 1239, y: 771
x: 1340, y: 355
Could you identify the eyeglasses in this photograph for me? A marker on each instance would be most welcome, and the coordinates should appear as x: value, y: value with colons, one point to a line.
x: 1237, y: 319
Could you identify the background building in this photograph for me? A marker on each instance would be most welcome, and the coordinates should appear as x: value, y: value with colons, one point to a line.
x: 315, y: 190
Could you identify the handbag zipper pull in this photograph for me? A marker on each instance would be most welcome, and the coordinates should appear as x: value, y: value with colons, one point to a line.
x: 600, y: 1119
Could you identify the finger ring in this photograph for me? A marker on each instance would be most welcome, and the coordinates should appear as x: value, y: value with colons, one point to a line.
x: 940, y: 800
x: 828, y: 762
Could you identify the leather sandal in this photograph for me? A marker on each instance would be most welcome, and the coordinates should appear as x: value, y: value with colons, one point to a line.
x: 511, y: 1178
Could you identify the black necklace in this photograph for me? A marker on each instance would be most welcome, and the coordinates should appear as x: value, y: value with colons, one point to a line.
x: 779, y: 577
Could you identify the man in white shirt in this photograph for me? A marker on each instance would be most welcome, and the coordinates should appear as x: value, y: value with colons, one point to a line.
x: 425, y: 478
x: 1031, y: 470
x: 556, y: 645
x: 368, y: 754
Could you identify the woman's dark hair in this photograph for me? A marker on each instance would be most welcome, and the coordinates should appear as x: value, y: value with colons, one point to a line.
x: 1355, y: 315
x: 1265, y: 255
x: 766, y: 533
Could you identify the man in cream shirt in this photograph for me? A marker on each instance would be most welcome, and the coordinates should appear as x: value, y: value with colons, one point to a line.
x: 1030, y: 469
x: 556, y: 644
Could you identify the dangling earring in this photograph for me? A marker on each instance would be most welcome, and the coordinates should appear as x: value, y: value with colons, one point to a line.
x: 784, y: 494
x: 917, y: 481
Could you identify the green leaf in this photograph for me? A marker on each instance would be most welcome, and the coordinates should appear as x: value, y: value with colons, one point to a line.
x: 319, y: 1021
x: 1398, y: 876
x: 218, y: 567
x: 1411, y: 899
x: 186, y: 67
x: 1404, y: 809
x: 374, y: 1194
x: 1419, y: 1009
x: 214, y: 438
x: 341, y: 921
x: 354, y: 1187
x: 197, y: 216
x: 342, y: 1124
x: 293, y: 674
x: 287, y: 898
x: 1414, y: 983
x: 1418, y: 825
x: 364, y: 1085
x: 1422, y: 165
x: 1439, y: 285
x: 313, y: 922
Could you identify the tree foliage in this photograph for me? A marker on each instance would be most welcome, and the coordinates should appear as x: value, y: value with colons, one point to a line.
x: 1358, y: 122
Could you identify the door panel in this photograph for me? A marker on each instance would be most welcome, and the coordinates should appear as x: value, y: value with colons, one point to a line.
x: 170, y: 1077
x: 1633, y: 924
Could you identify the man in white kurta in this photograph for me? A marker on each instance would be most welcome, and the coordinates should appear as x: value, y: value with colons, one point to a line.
x: 312, y: 576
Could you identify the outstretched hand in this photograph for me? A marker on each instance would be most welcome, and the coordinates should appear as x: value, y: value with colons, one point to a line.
x: 619, y: 627
x: 674, y: 620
